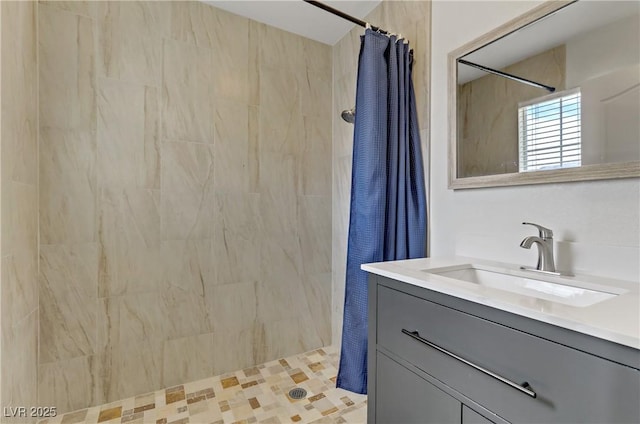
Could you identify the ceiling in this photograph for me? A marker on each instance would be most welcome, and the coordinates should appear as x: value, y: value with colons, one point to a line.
x: 546, y: 33
x: 299, y: 17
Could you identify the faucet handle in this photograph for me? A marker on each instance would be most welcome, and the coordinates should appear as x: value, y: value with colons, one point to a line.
x: 545, y: 233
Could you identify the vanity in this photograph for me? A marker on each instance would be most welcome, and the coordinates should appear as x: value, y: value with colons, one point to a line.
x: 450, y: 342
x: 464, y: 340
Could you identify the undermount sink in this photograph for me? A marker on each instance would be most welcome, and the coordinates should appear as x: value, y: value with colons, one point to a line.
x: 568, y: 291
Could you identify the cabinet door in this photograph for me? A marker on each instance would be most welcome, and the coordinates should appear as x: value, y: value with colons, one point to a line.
x: 570, y: 386
x: 404, y: 397
x: 469, y: 416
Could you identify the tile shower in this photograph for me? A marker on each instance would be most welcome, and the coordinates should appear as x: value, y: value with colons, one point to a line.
x: 184, y: 161
x: 167, y: 210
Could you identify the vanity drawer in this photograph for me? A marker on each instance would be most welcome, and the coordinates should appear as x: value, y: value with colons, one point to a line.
x: 570, y: 386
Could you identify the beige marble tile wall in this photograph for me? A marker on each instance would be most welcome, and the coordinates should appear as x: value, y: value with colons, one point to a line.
x: 412, y: 19
x: 19, y: 205
x: 185, y: 200
x: 493, y: 149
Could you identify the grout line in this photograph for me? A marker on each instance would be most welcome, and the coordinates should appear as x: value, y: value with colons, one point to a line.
x: 37, y: 282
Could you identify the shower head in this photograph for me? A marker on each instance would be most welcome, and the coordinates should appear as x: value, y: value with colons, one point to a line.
x: 349, y: 115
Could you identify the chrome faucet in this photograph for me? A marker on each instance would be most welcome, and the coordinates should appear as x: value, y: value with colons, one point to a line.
x: 545, y: 249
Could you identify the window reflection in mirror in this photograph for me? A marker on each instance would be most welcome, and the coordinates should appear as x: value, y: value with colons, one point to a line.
x: 549, y: 133
x: 589, y: 52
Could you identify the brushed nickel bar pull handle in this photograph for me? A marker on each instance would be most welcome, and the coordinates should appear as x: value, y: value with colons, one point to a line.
x: 524, y: 387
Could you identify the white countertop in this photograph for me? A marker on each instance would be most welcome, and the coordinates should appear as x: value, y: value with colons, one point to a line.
x: 616, y: 319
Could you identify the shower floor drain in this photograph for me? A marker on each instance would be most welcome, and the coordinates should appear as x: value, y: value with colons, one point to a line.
x: 297, y: 393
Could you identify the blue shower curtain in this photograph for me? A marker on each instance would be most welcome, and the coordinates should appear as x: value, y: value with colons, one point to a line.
x: 388, y: 219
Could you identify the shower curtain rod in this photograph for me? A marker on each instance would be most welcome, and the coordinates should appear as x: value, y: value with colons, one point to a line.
x: 506, y: 75
x: 345, y: 16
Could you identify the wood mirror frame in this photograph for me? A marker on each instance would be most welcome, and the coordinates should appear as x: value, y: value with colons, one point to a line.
x: 582, y: 173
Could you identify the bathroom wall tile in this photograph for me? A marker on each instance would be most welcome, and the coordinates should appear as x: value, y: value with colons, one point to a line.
x: 141, y: 317
x: 140, y: 214
x: 131, y: 369
x: 425, y: 144
x: 131, y: 35
x: 149, y: 173
x: 19, y: 287
x: 208, y: 27
x: 317, y: 291
x: 315, y: 93
x: 187, y: 102
x: 234, y: 350
x: 187, y: 359
x: 281, y: 281
x: 394, y: 13
x: 152, y: 316
x: 6, y: 200
x: 24, y: 217
x: 108, y: 323
x: 340, y: 218
x: 23, y: 164
x: 67, y: 70
x: 280, y: 49
x: 129, y: 241
x: 67, y: 186
x: 317, y: 57
x: 278, y: 173
x: 422, y: 107
x: 254, y: 149
x: 284, y: 337
x: 314, y: 233
x: 139, y: 221
x: 341, y: 201
x: 18, y: 207
x: 19, y: 357
x: 68, y: 301
x: 86, y: 8
x: 254, y: 63
x: 128, y: 139
x: 338, y: 275
x: 237, y: 235
x: 121, y: 133
x: 233, y: 307
x: 69, y: 385
x: 345, y: 54
x: 280, y: 119
x: 191, y: 22
x: 315, y: 163
x: 186, y: 313
x: 344, y: 98
x: 421, y: 44
x: 19, y: 97
x: 231, y: 147
x: 278, y: 202
x: 189, y: 264
x: 107, y: 237
x: 181, y: 167
x: 377, y: 15
x: 187, y: 191
x: 231, y: 56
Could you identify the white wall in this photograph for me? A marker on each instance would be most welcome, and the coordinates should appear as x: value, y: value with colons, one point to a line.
x: 605, y: 49
x: 596, y: 224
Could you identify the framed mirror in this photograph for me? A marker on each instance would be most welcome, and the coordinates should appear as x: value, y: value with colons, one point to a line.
x: 551, y: 96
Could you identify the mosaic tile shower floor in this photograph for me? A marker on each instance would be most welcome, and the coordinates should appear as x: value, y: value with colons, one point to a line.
x: 252, y: 395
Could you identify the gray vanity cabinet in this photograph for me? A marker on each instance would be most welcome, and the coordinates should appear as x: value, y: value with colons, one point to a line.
x: 469, y: 416
x: 437, y: 358
x: 404, y: 397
